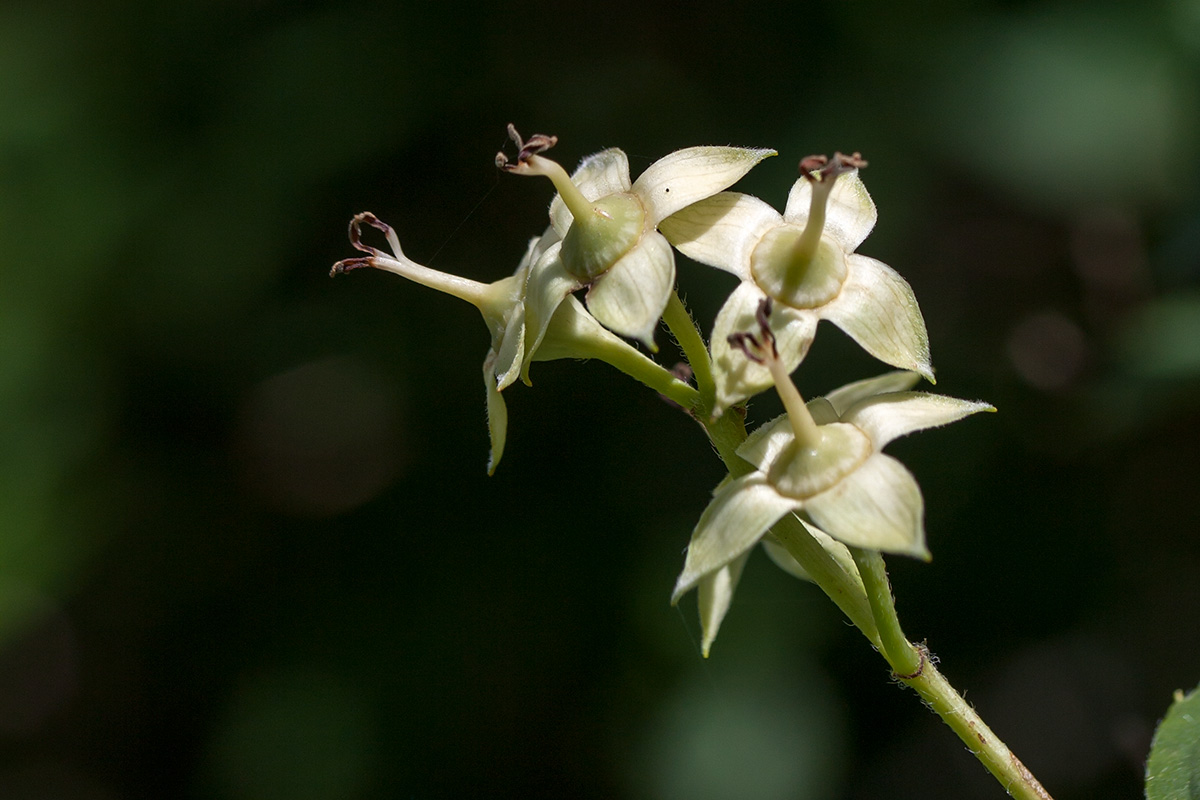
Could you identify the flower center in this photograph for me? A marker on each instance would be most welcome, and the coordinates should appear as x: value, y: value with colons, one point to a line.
x: 801, y: 266
x: 807, y: 468
x: 601, y: 235
x: 787, y: 267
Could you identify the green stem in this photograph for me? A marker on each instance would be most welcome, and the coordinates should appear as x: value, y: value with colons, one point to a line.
x: 899, y: 652
x: 580, y: 336
x: 913, y: 666
x: 691, y: 342
x: 644, y: 369
x: 948, y: 704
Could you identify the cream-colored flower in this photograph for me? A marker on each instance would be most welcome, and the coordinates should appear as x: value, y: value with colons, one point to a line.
x: 571, y: 332
x: 824, y: 459
x: 607, y: 227
x: 804, y: 260
x: 843, y: 481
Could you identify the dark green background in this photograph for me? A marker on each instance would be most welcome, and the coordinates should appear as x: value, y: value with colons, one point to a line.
x: 248, y: 549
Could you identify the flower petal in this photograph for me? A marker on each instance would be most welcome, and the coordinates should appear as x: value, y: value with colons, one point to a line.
x: 629, y: 299
x: 878, y: 506
x: 677, y: 180
x: 841, y: 399
x: 721, y: 231
x: 714, y: 594
x: 736, y: 376
x: 849, y: 215
x: 598, y: 175
x: 887, y: 417
x: 537, y: 247
x: 510, y: 349
x: 497, y: 412
x: 734, y: 521
x: 877, y: 308
x: 766, y: 442
x: 547, y: 286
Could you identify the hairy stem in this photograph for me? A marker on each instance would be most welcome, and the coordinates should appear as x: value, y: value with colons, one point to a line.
x: 913, y: 666
x: 948, y: 704
x: 899, y: 652
x: 691, y: 342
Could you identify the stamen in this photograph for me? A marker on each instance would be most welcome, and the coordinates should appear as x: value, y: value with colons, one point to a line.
x: 818, y: 168
x: 478, y: 294
x: 538, y: 143
x: 747, y: 344
x: 763, y: 317
x: 348, y: 264
x: 759, y: 349
x: 530, y: 163
x: 822, y: 172
x: 763, y: 351
x: 378, y: 224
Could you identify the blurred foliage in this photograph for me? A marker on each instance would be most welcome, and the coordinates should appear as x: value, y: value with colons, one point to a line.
x: 247, y: 547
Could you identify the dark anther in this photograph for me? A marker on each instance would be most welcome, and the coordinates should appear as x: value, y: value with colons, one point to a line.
x: 538, y: 143
x: 763, y: 317
x: 356, y: 232
x: 747, y: 344
x: 761, y: 347
x: 810, y: 164
x: 347, y: 264
x: 818, y: 167
x: 852, y: 161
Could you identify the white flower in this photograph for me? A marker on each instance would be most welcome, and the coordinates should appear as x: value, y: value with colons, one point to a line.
x: 804, y: 260
x: 607, y: 226
x: 825, y: 459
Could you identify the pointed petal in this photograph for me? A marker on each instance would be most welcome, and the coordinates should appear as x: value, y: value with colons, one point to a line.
x: 849, y: 214
x: 598, y: 175
x: 574, y: 333
x: 877, y: 308
x: 721, y: 231
x: 878, y: 506
x: 497, y: 412
x: 822, y: 411
x: 537, y: 247
x: 548, y: 284
x: 629, y: 299
x: 736, y: 376
x: 510, y: 349
x: 733, y: 522
x: 714, y: 595
x: 889, y: 416
x: 851, y: 393
x: 766, y: 442
x: 677, y: 180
